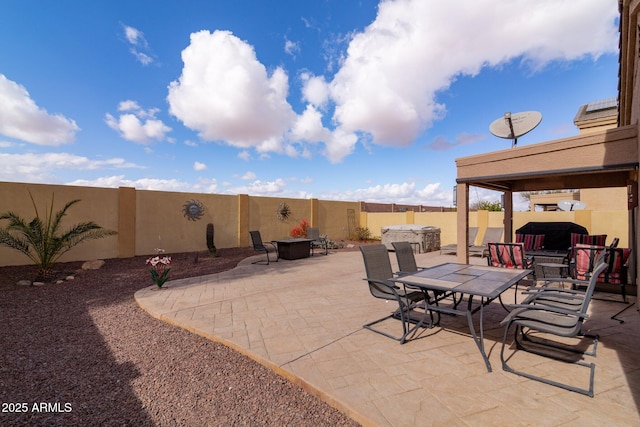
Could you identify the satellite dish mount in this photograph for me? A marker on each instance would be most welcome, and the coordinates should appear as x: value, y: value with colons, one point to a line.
x: 571, y: 205
x: 513, y: 126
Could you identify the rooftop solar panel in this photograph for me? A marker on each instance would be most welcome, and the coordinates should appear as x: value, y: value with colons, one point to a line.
x: 602, y: 104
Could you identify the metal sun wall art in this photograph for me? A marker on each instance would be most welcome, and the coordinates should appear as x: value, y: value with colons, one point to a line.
x: 283, y: 212
x: 193, y: 210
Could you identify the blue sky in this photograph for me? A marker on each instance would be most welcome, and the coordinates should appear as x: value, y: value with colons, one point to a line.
x: 333, y: 99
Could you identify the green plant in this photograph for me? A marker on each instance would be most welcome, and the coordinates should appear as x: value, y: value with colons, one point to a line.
x: 42, y: 240
x: 210, y: 245
x: 487, y: 206
x: 159, y: 268
x: 362, y: 233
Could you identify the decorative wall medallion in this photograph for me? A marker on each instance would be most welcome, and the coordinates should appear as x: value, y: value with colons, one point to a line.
x: 283, y: 212
x: 193, y: 210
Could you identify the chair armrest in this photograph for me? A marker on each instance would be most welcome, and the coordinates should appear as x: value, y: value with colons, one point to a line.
x: 383, y: 283
x: 520, y: 308
x: 543, y: 289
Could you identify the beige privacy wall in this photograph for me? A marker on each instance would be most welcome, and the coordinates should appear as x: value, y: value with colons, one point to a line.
x: 612, y: 223
x: 146, y: 220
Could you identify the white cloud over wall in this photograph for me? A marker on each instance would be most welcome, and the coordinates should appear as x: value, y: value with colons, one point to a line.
x: 386, y: 89
x: 225, y: 93
x: 394, y: 69
x: 22, y: 119
x: 137, y: 124
x: 40, y: 167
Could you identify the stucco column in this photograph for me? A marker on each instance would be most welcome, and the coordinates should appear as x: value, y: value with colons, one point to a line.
x: 508, y: 216
x: 243, y: 220
x: 462, y: 229
x: 313, y: 217
x: 126, y: 222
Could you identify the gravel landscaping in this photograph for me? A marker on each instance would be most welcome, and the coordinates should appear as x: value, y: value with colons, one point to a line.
x: 82, y: 353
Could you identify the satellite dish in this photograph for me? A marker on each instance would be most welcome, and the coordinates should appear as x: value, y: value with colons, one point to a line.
x: 571, y: 205
x: 513, y: 126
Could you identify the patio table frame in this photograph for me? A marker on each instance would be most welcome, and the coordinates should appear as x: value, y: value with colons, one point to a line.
x: 487, y: 283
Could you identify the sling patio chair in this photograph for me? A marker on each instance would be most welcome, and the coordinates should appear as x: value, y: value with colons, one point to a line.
x: 491, y: 235
x: 546, y: 322
x: 378, y: 269
x: 508, y: 255
x: 318, y: 241
x: 553, y: 293
x: 453, y: 248
x: 259, y: 246
x: 585, y: 258
x: 407, y: 264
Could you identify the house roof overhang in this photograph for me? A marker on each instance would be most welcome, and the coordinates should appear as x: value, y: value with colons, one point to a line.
x: 603, y: 159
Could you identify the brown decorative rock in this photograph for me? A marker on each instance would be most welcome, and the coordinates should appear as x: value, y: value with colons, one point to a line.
x: 93, y: 265
x: 69, y: 278
x: 38, y: 283
x: 24, y: 283
x: 59, y: 282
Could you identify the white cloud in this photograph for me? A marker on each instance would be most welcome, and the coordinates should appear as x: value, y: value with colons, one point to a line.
x: 203, y: 185
x: 386, y: 89
x: 42, y: 167
x: 291, y: 47
x: 140, y: 184
x: 138, y: 45
x: 266, y: 187
x: 404, y: 193
x: 136, y: 124
x: 225, y: 93
x: 22, y: 119
x: 248, y: 176
x: 315, y: 89
x: 197, y: 166
x: 388, y: 83
x: 442, y: 144
x: 308, y: 127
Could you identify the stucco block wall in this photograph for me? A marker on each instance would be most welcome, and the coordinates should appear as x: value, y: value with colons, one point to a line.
x: 161, y: 223
x: 99, y: 205
x: 146, y: 220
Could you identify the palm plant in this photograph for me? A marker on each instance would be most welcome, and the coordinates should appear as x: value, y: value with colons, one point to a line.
x: 42, y: 240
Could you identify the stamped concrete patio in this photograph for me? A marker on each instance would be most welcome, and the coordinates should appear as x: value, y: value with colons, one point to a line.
x: 304, y: 319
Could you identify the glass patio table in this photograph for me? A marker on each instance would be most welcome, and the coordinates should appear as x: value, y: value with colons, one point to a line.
x: 473, y: 281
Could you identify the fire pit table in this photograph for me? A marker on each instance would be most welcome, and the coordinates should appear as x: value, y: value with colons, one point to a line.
x: 294, y: 248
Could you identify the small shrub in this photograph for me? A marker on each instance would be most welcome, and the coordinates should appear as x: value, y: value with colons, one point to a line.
x: 362, y: 234
x: 300, y: 231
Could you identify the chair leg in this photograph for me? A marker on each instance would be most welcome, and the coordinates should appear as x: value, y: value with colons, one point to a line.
x: 615, y: 316
x: 404, y: 315
x: 519, y: 345
x: 261, y: 262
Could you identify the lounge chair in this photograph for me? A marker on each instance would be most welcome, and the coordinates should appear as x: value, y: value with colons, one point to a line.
x: 552, y: 321
x: 378, y: 269
x: 491, y: 235
x: 453, y: 248
x: 259, y: 246
x: 318, y: 241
